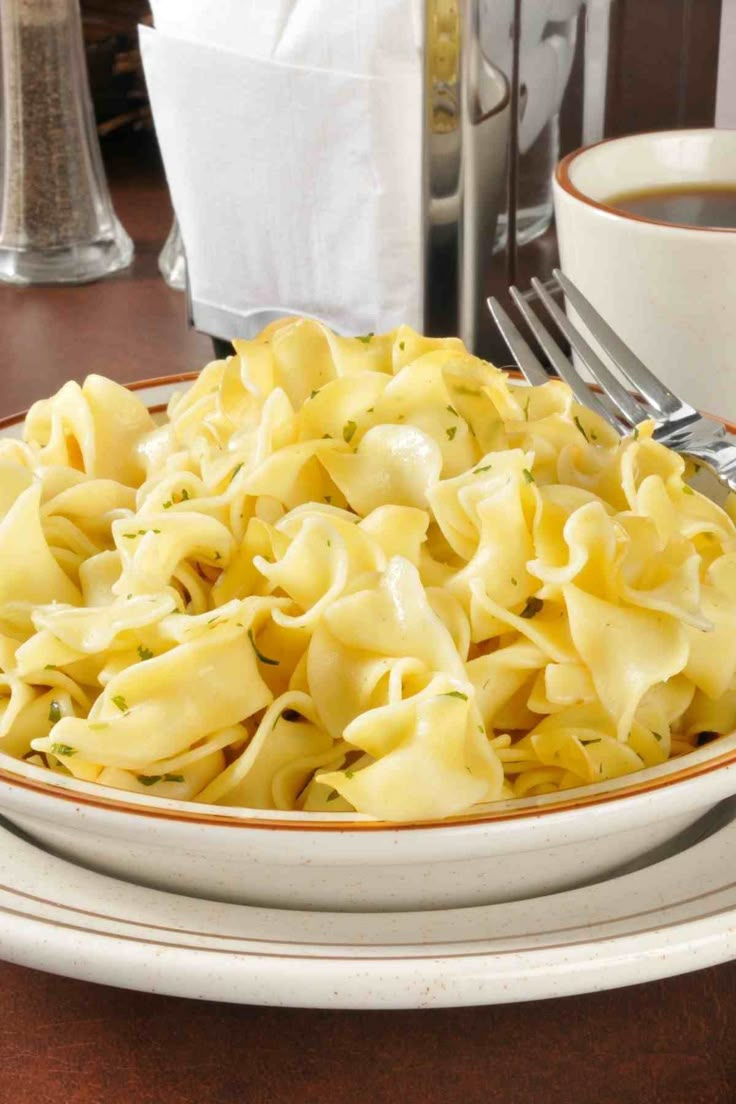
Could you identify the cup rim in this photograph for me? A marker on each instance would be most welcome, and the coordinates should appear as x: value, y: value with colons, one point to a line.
x: 563, y: 180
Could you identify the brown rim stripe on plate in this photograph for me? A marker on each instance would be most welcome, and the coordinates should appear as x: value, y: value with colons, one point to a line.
x: 228, y: 938
x: 357, y: 959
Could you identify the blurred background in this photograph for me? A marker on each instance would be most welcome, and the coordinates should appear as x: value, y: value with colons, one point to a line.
x: 551, y: 75
x: 660, y: 71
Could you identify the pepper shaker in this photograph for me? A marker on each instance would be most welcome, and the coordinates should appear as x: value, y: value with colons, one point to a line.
x: 57, y: 223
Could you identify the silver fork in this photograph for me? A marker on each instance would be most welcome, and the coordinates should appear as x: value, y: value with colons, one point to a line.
x: 678, y: 425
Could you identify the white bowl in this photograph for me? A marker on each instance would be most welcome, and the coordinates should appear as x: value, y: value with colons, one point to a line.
x: 296, y: 860
x: 512, y: 850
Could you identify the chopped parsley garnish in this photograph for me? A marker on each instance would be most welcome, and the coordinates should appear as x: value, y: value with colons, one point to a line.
x: 313, y: 393
x: 334, y: 795
x: 455, y: 694
x: 526, y: 408
x: 144, y: 653
x: 168, y: 505
x: 348, y: 432
x: 120, y: 702
x: 687, y: 490
x: 487, y: 467
x: 349, y: 773
x: 636, y: 433
x: 217, y: 556
x: 401, y: 346
x: 260, y: 655
x: 451, y: 432
x: 54, y: 712
x: 152, y: 779
x: 236, y: 469
x: 370, y: 409
x: 184, y: 498
x: 51, y: 667
x: 532, y: 607
x: 63, y: 749
x: 98, y: 727
x: 514, y: 582
x: 580, y: 427
x: 657, y: 736
x: 528, y: 475
x: 365, y: 338
x: 453, y: 410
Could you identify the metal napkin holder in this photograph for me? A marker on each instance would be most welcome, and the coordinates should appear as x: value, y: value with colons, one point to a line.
x: 468, y: 126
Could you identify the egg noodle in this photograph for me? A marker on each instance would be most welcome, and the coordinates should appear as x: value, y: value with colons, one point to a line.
x: 364, y: 574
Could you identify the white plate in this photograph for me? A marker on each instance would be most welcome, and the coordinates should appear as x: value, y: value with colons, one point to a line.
x: 672, y: 917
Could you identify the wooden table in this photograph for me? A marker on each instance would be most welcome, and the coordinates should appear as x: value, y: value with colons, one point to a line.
x: 69, y: 1042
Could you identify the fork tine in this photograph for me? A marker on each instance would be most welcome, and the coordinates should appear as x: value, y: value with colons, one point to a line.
x: 638, y: 375
x: 632, y: 411
x: 529, y: 366
x: 559, y: 361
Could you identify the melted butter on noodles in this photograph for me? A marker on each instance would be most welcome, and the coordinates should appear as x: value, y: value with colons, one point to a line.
x: 355, y: 573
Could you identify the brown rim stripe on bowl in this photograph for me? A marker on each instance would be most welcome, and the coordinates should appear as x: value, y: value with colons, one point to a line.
x: 562, y: 176
x: 565, y: 804
x: 139, y: 385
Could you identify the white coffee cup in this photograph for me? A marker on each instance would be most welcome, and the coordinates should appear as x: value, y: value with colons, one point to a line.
x: 668, y: 290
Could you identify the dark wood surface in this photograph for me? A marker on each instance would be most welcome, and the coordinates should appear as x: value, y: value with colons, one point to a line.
x: 662, y: 64
x: 129, y: 327
x: 70, y: 1042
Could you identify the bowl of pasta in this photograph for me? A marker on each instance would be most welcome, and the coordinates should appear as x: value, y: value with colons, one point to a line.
x: 350, y: 623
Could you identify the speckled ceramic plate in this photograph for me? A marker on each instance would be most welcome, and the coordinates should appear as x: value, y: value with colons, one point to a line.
x: 675, y: 915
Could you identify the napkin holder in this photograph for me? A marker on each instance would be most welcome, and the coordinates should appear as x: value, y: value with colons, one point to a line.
x: 466, y: 130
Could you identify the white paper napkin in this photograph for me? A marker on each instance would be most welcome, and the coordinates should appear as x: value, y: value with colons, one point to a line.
x: 295, y: 174
x: 366, y: 37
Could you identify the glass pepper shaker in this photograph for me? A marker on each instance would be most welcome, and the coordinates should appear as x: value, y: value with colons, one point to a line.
x: 57, y: 224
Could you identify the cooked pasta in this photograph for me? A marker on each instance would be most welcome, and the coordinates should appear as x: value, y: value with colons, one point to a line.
x: 367, y: 574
